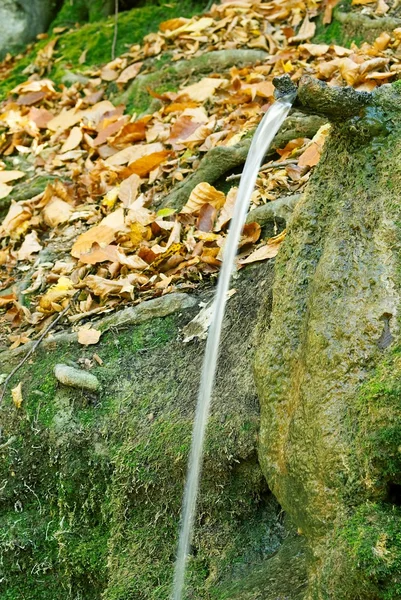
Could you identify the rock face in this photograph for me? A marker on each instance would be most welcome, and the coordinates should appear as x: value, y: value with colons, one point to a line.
x: 327, y: 363
x: 22, y: 20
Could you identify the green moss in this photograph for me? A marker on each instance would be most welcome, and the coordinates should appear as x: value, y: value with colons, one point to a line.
x: 96, y: 38
x: 107, y: 473
x: 364, y: 556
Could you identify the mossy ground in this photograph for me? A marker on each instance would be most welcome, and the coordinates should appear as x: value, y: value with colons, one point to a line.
x: 91, y: 485
x: 96, y: 39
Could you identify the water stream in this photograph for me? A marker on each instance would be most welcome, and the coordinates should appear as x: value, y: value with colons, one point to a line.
x: 262, y: 139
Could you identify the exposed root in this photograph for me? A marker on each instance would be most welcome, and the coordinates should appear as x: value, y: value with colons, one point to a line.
x: 335, y: 103
x: 219, y: 160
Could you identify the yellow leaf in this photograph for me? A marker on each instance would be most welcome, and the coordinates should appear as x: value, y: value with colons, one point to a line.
x: 203, y: 193
x: 16, y: 394
x: 64, y: 288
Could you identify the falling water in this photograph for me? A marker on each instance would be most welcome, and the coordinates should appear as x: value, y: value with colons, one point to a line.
x: 262, y: 139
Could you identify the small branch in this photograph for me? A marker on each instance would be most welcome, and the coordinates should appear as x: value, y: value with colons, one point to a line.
x: 265, y: 168
x: 114, y: 44
x: 32, y: 350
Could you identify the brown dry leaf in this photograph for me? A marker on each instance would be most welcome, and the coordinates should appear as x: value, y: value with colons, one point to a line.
x: 202, y: 194
x: 129, y: 73
x: 57, y: 211
x: 7, y: 299
x: 87, y: 337
x: 129, y: 189
x: 130, y: 133
x: 108, y: 74
x: 262, y: 253
x: 17, y: 215
x: 306, y: 31
x: 311, y: 156
x: 206, y: 218
x: 250, y: 234
x: 98, y: 254
x: 6, y: 176
x: 40, y: 116
x: 173, y: 24
x: 102, y: 234
x: 16, y: 394
x: 382, y: 8
x: 73, y: 140
x: 143, y: 166
x: 30, y: 246
x: 349, y: 70
x: 201, y: 91
x: 192, y: 26
x: 380, y: 43
x: 227, y: 210
x: 103, y: 287
x: 315, y: 49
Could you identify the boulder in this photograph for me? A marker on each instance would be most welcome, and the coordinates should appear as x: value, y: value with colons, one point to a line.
x: 22, y: 20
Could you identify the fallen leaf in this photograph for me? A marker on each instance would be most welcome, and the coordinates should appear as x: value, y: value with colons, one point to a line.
x: 29, y: 246
x: 201, y: 91
x: 306, y: 31
x: 133, y: 153
x: 227, y: 209
x: 129, y: 73
x: 6, y: 176
x: 57, y: 211
x: 63, y: 289
x: 5, y: 190
x: 102, y: 234
x: 73, y: 140
x: 129, y: 189
x: 202, y: 194
x: 144, y: 165
x: 87, y: 337
x: 16, y: 394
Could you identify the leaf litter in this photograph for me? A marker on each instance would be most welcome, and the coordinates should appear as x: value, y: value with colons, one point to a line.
x: 96, y: 239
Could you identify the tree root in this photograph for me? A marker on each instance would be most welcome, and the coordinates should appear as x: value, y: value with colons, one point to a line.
x: 137, y: 95
x: 221, y: 159
x: 282, y: 208
x: 357, y: 25
x: 335, y: 103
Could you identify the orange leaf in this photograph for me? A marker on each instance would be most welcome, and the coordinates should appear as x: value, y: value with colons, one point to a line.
x: 144, y: 165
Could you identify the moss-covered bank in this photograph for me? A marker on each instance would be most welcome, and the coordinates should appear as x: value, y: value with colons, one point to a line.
x: 326, y: 370
x: 91, y: 485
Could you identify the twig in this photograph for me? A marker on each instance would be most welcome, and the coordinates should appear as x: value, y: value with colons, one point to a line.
x: 32, y: 350
x: 113, y: 46
x: 265, y: 168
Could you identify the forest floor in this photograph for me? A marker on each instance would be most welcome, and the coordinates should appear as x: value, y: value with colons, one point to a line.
x: 92, y: 155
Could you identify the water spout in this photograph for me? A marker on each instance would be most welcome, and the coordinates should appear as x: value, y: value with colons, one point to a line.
x: 262, y: 139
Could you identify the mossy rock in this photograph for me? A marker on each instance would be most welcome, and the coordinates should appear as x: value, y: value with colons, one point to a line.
x: 93, y: 482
